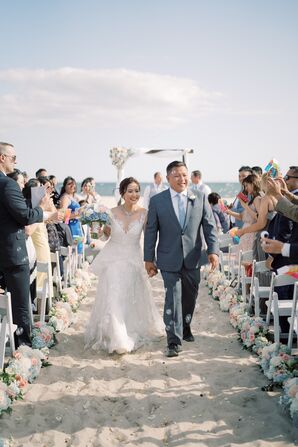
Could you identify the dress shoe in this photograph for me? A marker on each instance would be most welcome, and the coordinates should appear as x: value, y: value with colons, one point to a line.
x: 187, y: 335
x: 173, y: 350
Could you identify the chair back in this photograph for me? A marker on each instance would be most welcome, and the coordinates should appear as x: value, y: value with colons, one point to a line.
x: 294, y: 317
x: 277, y: 281
x: 7, y: 328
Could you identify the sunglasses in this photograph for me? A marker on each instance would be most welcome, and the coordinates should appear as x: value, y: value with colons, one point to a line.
x: 287, y: 177
x: 12, y: 157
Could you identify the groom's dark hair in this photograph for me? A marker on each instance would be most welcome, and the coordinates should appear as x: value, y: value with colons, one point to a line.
x: 175, y: 164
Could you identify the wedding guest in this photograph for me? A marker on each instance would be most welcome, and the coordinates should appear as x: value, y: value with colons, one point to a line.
x: 251, y: 187
x: 41, y: 172
x: 55, y: 193
x: 69, y: 199
x: 287, y: 253
x: 151, y: 190
x: 88, y: 193
x: 53, y: 238
x: 221, y: 220
x: 257, y: 170
x: 26, y: 177
x: 18, y: 176
x: 266, y: 213
x: 197, y: 184
x: 287, y: 203
x: 282, y: 228
x: 243, y: 172
x: 14, y: 264
x: 38, y: 233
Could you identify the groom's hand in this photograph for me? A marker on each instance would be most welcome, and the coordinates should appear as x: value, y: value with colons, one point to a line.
x: 150, y: 268
x: 213, y: 260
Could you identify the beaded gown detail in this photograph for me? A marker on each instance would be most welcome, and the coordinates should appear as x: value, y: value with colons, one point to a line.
x: 124, y: 315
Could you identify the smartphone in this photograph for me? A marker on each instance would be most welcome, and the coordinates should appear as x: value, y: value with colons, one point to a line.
x: 243, y: 197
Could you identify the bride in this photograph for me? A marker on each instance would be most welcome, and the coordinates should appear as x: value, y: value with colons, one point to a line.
x: 124, y: 315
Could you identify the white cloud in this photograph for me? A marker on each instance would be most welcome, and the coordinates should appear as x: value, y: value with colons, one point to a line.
x: 69, y: 97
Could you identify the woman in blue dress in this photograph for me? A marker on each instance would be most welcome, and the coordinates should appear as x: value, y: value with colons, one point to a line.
x: 69, y: 199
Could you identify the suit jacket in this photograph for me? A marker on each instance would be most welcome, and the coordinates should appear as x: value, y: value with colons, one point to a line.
x: 287, y: 231
x: 289, y: 209
x: 14, y: 215
x: 179, y: 246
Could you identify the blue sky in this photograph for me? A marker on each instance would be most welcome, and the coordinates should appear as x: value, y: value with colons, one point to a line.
x: 80, y: 77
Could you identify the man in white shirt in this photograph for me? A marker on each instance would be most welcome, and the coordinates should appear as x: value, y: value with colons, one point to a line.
x: 197, y: 184
x: 151, y: 190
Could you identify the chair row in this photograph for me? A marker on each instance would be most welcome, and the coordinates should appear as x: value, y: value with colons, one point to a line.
x: 261, y: 297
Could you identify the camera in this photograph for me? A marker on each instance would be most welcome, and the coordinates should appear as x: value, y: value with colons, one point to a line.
x: 264, y: 234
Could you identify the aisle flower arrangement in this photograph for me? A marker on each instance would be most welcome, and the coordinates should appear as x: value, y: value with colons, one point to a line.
x: 70, y: 296
x: 289, y: 399
x: 61, y: 316
x: 274, y: 359
x: 25, y: 365
x: 43, y: 335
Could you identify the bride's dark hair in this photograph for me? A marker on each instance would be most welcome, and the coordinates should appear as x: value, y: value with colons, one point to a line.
x: 124, y: 184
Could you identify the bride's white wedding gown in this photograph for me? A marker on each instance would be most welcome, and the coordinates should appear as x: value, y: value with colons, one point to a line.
x: 124, y: 315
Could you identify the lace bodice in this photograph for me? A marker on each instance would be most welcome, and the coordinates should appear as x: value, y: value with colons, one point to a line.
x: 127, y: 229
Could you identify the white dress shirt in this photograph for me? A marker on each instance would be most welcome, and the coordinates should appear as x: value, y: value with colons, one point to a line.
x: 174, y: 198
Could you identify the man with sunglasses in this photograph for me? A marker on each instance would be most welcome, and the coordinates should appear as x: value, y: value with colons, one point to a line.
x: 14, y: 263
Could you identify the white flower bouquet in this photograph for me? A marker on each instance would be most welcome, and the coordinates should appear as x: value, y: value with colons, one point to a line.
x: 119, y: 156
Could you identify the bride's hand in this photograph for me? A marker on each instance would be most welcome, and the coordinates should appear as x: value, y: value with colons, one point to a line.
x: 107, y: 230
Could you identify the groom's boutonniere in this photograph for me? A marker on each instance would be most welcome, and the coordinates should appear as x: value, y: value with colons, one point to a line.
x: 191, y: 196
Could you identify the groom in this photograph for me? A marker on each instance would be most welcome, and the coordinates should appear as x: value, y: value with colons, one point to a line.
x: 175, y: 218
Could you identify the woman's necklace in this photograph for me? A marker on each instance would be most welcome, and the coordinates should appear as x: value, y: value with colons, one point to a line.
x: 127, y: 213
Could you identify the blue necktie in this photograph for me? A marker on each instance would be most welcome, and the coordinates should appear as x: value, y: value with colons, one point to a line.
x: 181, y: 210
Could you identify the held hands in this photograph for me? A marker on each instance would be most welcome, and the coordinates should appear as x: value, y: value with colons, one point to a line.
x: 213, y: 261
x: 151, y: 269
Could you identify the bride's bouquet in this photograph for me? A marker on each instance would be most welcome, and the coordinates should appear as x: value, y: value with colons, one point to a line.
x: 95, y: 216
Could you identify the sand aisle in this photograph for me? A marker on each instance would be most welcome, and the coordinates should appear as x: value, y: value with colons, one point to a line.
x: 209, y: 396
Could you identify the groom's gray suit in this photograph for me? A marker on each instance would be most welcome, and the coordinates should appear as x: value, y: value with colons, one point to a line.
x: 178, y: 255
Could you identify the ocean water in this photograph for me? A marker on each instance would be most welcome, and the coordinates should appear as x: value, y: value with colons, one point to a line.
x: 223, y: 189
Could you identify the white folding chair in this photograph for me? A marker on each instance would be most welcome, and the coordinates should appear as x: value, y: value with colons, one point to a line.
x: 56, y: 271
x: 66, y: 253
x: 46, y: 291
x: 233, y: 258
x: 278, y: 308
x: 258, y: 292
x: 225, y: 240
x: 74, y: 260
x: 7, y: 328
x: 245, y: 257
x: 293, y: 320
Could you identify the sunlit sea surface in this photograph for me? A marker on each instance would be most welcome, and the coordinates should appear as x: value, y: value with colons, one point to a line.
x: 223, y: 189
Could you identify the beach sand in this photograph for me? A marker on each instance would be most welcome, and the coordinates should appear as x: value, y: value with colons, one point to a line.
x: 208, y: 396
